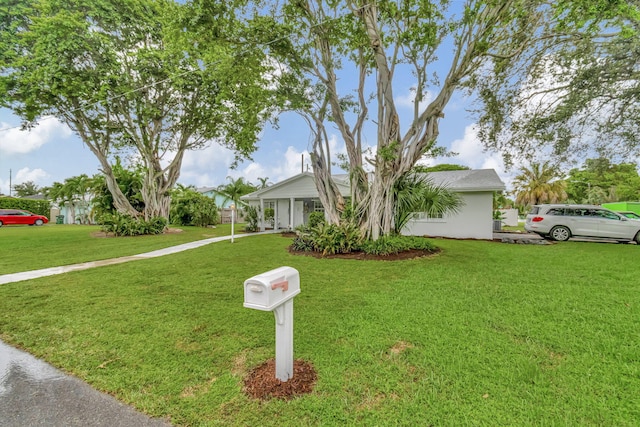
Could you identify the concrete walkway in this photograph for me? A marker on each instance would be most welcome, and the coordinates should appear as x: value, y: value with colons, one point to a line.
x: 33, y: 393
x: 35, y: 274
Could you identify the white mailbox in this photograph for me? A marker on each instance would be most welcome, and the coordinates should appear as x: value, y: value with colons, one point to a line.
x: 268, y: 290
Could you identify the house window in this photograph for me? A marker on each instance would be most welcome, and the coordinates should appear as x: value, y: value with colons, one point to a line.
x: 270, y: 205
x: 317, y: 206
x: 426, y: 217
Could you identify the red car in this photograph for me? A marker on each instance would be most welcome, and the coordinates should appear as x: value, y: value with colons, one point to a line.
x: 16, y: 216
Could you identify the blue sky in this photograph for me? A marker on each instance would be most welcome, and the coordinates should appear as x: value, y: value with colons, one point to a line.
x: 51, y: 152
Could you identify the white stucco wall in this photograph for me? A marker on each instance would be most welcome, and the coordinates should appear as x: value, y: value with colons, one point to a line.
x: 473, y: 221
x: 509, y: 217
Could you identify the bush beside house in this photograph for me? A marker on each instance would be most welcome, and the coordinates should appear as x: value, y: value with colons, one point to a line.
x: 40, y: 207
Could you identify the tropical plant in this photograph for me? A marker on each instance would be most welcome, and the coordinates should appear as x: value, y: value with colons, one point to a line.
x: 234, y: 189
x: 126, y: 225
x: 315, y: 219
x: 75, y: 193
x: 539, y: 183
x: 264, y: 182
x: 335, y: 238
x: 251, y: 218
x: 415, y: 193
x: 129, y: 182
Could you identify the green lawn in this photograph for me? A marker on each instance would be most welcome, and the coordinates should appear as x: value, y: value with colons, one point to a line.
x: 25, y: 248
x: 483, y: 333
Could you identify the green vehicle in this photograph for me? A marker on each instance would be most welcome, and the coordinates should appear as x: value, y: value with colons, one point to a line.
x: 623, y: 207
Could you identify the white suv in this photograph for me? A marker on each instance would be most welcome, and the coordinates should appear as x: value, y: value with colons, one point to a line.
x: 560, y: 222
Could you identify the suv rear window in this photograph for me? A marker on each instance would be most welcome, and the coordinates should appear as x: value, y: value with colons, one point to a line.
x: 535, y: 210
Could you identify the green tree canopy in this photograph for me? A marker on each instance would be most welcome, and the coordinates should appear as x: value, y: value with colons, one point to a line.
x: 600, y: 181
x: 28, y: 188
x: 148, y: 78
x: 579, y: 98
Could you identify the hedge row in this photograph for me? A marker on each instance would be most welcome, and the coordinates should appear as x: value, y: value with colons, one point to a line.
x: 40, y: 207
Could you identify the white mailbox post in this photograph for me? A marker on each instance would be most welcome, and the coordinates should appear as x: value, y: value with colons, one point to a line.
x: 274, y: 291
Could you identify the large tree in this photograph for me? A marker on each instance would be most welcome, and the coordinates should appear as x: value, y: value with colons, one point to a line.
x: 444, y: 45
x: 580, y: 98
x: 128, y: 79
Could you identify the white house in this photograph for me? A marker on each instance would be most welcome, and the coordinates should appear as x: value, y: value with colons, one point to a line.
x: 295, y: 198
x: 474, y: 220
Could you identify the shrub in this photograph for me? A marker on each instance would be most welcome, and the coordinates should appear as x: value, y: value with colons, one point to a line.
x: 388, y: 245
x: 269, y: 215
x: 303, y: 243
x: 329, y: 238
x: 251, y: 218
x: 40, y: 207
x: 315, y: 219
x: 188, y: 207
x: 126, y: 225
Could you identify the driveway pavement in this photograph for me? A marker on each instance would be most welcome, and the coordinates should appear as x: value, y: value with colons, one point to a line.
x: 34, y: 394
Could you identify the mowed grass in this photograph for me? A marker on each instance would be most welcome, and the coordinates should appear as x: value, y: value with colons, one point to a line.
x: 24, y: 248
x: 483, y: 333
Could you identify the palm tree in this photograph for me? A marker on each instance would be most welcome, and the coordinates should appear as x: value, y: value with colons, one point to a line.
x: 235, y: 189
x: 541, y: 183
x: 415, y: 192
x: 264, y: 182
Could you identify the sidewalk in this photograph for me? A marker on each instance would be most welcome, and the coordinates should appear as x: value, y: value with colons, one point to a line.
x: 33, y: 393
x: 35, y: 274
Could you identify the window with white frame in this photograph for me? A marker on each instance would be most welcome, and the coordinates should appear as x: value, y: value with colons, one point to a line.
x: 317, y: 206
x: 425, y: 216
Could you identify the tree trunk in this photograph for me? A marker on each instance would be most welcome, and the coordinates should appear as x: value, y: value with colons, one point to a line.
x: 328, y: 191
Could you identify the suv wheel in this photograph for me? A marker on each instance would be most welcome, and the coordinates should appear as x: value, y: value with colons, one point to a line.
x: 560, y: 233
x: 635, y: 239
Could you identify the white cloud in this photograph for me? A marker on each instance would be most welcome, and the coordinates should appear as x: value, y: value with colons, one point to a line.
x: 408, y: 99
x: 202, y: 167
x: 36, y: 175
x: 16, y: 141
x: 471, y: 153
x: 281, y: 168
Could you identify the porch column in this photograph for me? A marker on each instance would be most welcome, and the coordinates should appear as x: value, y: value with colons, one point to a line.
x: 275, y: 215
x: 261, y: 214
x: 291, y: 208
